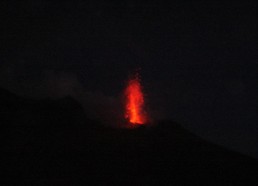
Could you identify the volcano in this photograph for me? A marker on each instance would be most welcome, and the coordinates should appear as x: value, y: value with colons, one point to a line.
x: 52, y: 142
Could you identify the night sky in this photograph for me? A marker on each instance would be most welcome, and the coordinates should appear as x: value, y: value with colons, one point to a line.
x: 198, y: 61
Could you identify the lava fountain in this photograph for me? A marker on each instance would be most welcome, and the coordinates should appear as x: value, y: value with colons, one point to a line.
x: 134, y: 101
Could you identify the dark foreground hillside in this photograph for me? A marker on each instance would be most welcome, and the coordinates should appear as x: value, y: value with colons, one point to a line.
x: 46, y: 142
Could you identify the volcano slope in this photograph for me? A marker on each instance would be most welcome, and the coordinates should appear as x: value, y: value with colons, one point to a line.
x: 45, y: 142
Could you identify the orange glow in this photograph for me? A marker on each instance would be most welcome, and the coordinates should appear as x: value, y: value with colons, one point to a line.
x: 134, y: 102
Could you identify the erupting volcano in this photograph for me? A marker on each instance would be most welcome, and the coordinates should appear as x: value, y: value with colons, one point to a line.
x: 134, y: 101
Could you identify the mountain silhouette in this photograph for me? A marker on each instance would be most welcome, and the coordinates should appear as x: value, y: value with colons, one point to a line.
x: 53, y: 142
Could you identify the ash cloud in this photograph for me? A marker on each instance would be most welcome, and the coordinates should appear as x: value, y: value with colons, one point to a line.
x: 59, y: 84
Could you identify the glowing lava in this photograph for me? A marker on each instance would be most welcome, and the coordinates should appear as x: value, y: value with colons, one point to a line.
x: 134, y: 102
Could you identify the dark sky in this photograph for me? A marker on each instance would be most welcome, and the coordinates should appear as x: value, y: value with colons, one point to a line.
x: 198, y: 60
